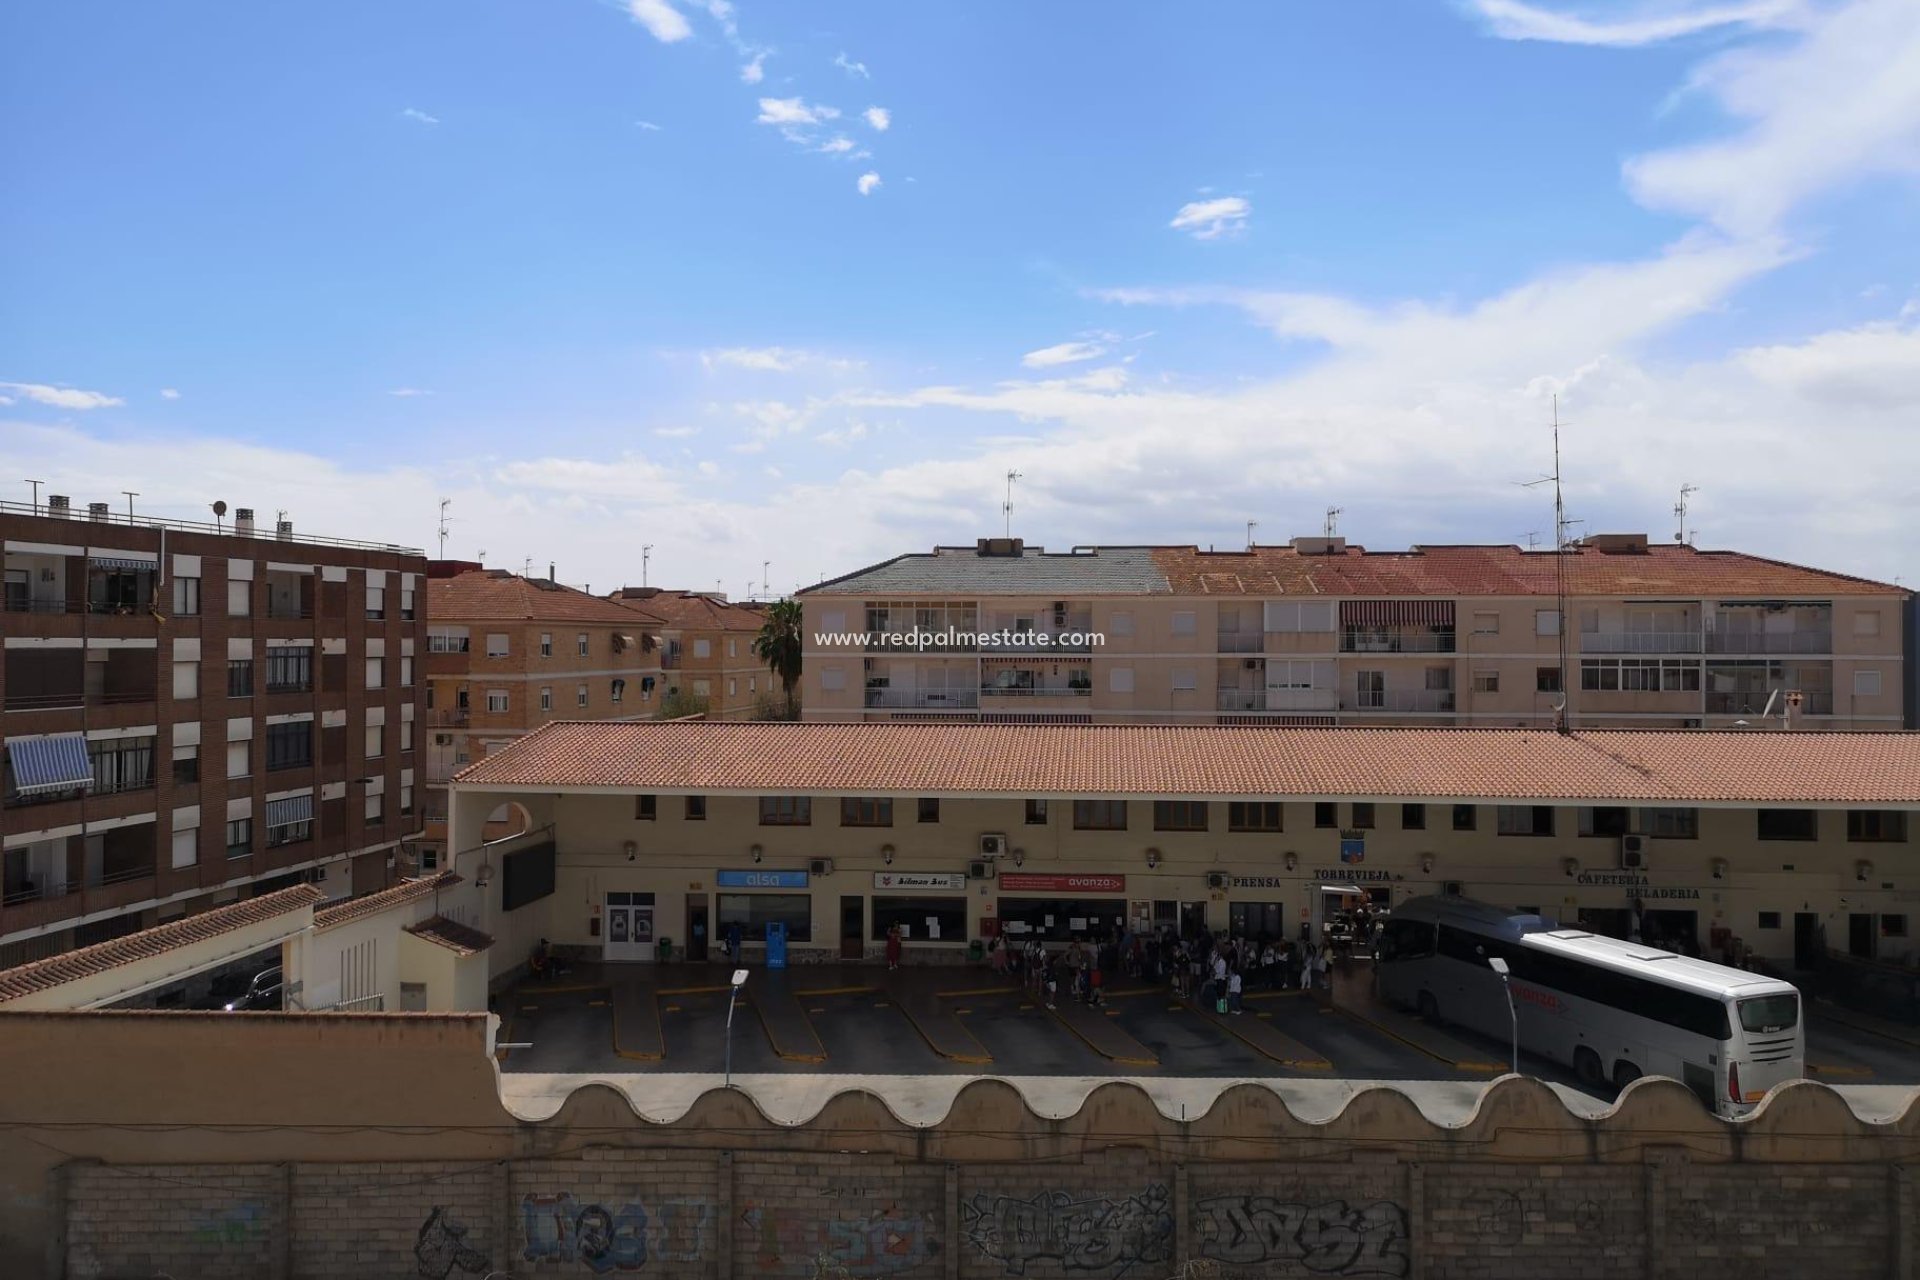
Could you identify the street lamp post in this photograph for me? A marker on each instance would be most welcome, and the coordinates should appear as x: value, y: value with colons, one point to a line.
x: 733, y: 993
x: 1499, y: 966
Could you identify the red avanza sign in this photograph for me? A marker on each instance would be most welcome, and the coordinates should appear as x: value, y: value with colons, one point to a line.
x: 1034, y: 880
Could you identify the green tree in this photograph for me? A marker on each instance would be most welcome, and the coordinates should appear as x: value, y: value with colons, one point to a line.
x: 778, y: 645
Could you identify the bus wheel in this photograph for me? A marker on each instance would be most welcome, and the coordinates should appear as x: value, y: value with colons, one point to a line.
x: 1624, y: 1074
x: 1586, y: 1065
x: 1429, y: 1007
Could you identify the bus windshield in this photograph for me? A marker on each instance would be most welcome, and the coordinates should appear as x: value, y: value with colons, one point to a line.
x: 1770, y: 1013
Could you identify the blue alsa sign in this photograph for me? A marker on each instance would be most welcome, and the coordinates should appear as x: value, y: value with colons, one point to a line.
x: 761, y: 879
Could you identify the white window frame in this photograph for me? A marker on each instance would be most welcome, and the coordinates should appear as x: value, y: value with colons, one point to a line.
x: 580, y: 696
x: 1183, y: 679
x: 497, y: 702
x: 1546, y: 622
x: 1866, y: 682
x: 584, y: 643
x: 1184, y: 622
x: 546, y: 697
x: 1120, y: 680
x: 546, y: 644
x: 499, y: 645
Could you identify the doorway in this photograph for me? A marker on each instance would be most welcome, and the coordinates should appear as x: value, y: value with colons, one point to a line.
x: 1193, y: 920
x: 1806, y: 939
x: 1608, y: 922
x: 629, y: 927
x: 697, y: 927
x: 853, y: 927
x: 1860, y: 935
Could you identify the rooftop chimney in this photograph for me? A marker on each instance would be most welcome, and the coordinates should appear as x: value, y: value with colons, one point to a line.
x: 58, y: 504
x: 243, y: 521
x: 1618, y: 544
x: 98, y: 510
x: 284, y: 530
x: 999, y: 546
x: 552, y: 574
x: 1320, y: 546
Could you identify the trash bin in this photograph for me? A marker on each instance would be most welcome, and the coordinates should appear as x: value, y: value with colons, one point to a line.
x: 976, y: 951
x: 776, y: 944
x: 663, y: 950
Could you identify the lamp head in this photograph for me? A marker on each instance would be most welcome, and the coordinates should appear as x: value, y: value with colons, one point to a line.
x: 1498, y: 965
x: 739, y: 977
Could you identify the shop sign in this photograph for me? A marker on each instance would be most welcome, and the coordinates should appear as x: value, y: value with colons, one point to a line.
x: 1637, y: 883
x: 1039, y: 881
x: 760, y: 879
x: 919, y: 880
x: 1351, y: 875
x: 1262, y: 882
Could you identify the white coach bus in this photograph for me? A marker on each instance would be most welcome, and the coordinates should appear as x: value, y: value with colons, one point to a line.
x: 1612, y: 1010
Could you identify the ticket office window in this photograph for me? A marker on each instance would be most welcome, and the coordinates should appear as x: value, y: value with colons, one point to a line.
x: 1257, y: 920
x: 921, y: 919
x: 753, y: 912
x: 1053, y: 919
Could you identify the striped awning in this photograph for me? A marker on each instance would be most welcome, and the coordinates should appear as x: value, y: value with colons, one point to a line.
x: 53, y: 763
x: 122, y: 562
x: 1396, y: 613
x: 284, y: 813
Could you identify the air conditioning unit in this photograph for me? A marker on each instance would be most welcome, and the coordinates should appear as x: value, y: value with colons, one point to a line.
x: 1453, y: 888
x: 442, y: 739
x: 1692, y: 722
x: 1218, y: 880
x: 1253, y: 664
x: 1633, y: 853
x: 979, y: 871
x: 819, y: 866
x: 993, y: 846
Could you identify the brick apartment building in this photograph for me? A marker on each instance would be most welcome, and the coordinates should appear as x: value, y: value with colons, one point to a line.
x: 706, y: 652
x: 1319, y: 632
x: 507, y: 654
x: 194, y: 714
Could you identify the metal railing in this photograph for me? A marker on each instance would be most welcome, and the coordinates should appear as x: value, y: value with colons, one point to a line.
x: 104, y: 879
x: 261, y: 533
x: 19, y: 895
x: 1052, y: 645
x: 1754, y: 703
x: 1770, y: 642
x: 1397, y: 642
x: 1036, y: 691
x: 938, y: 699
x: 449, y: 717
x: 1400, y: 700
x: 1640, y: 642
x: 52, y: 701
x: 1240, y: 700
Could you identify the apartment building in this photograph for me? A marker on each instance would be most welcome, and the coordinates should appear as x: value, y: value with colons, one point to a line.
x: 1319, y: 632
x: 706, y: 652
x: 507, y: 654
x: 195, y: 714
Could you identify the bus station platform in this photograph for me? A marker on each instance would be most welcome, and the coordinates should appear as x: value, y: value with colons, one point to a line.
x: 1354, y: 996
x: 1254, y: 1028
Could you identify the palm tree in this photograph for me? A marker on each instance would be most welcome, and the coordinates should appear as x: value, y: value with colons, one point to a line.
x: 778, y: 645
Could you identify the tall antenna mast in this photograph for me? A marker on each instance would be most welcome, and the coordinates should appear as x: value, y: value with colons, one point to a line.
x: 1006, y: 508
x: 1562, y: 721
x: 1251, y: 526
x: 444, y: 520
x: 646, y: 554
x: 1680, y: 513
x: 1333, y: 521
x: 765, y: 578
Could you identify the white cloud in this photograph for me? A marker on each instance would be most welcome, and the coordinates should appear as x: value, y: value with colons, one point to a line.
x: 409, y: 393
x: 63, y: 397
x: 418, y: 116
x: 666, y: 23
x: 1211, y: 219
x: 841, y: 437
x: 774, y: 359
x: 168, y: 393
x: 648, y: 125
x: 868, y: 183
x: 676, y: 433
x: 629, y: 476
x: 792, y: 112
x: 839, y: 144
x: 754, y: 71
x: 1626, y: 26
x: 1062, y: 353
x: 879, y: 118
x: 852, y: 68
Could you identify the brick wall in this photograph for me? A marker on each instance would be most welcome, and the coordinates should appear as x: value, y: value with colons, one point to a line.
x: 701, y: 1215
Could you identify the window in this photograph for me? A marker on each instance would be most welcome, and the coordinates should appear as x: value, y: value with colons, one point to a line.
x: 376, y: 603
x: 920, y: 919
x: 1121, y: 623
x: 496, y: 701
x: 618, y: 690
x: 1786, y: 824
x: 929, y: 809
x: 237, y: 753
x: 646, y: 808
x: 1184, y: 678
x: 702, y: 648
x: 289, y: 746
x: 832, y: 679
x: 186, y: 848
x: 696, y: 810
x: 1546, y: 679
x: 1486, y: 682
x: 186, y: 597
x: 406, y: 735
x: 753, y: 912
x: 702, y: 688
x: 1179, y: 815
x: 865, y: 811
x: 1303, y: 616
x: 1465, y: 817
x: 581, y: 640
x: 546, y: 697
x: 376, y: 741
x: 1363, y: 815
x: 1036, y: 813
x: 1769, y: 920
x: 186, y: 680
x: 1524, y: 820
x: 121, y: 764
x: 240, y: 837
x: 1254, y: 815
x: 733, y: 686
x: 445, y: 642
x: 240, y: 677
x: 1866, y: 623
x: 406, y: 673
x: 1326, y: 814
x: 1866, y: 684
x: 376, y: 809
x: 1876, y: 826
x: 1546, y: 622
x: 289, y: 669
x: 1120, y: 680
x: 1893, y: 925
x: 289, y: 833
x: 1670, y: 824
x: 239, y: 598
x: 1605, y: 820
x: 1183, y: 622
x: 786, y: 811
x: 1100, y: 815
x: 546, y: 644
x: 376, y: 673
x: 1486, y: 624
x: 406, y: 800
x: 186, y: 766
x: 1639, y: 675
x: 1413, y: 817
x: 580, y: 696
x: 406, y: 604
x: 496, y: 645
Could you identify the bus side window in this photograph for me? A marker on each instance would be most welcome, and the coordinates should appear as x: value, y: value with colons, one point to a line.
x: 1406, y: 940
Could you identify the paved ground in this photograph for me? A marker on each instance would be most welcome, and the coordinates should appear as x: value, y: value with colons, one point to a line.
x: 568, y: 1029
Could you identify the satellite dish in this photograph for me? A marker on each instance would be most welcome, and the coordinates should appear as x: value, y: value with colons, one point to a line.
x: 219, y: 508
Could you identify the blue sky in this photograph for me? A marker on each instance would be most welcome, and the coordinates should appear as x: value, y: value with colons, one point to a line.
x: 613, y: 274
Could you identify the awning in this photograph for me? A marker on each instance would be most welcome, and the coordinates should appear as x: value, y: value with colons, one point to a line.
x: 284, y: 813
x: 122, y: 562
x: 1396, y: 613
x: 53, y: 763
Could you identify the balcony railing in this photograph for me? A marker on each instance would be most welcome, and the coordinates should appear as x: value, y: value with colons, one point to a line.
x: 35, y: 890
x: 923, y: 641
x: 1639, y: 642
x: 101, y: 879
x: 20, y: 604
x: 1242, y: 642
x: 1396, y: 642
x: 1036, y: 691
x: 931, y: 699
x: 263, y: 534
x: 1770, y: 642
x: 1019, y: 643
x: 1397, y: 700
x: 449, y: 717
x: 1235, y: 700
x: 54, y: 701
x: 1754, y: 703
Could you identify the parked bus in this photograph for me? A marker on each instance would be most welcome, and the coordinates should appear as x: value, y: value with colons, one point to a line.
x: 1611, y: 1010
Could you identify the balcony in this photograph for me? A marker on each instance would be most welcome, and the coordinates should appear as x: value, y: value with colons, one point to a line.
x: 1770, y: 642
x: 1241, y: 642
x: 1753, y: 703
x: 1036, y: 691
x: 937, y: 640
x: 1411, y: 640
x: 1240, y: 700
x: 61, y: 701
x: 1399, y: 700
x: 449, y: 717
x: 922, y: 699
x: 1640, y: 642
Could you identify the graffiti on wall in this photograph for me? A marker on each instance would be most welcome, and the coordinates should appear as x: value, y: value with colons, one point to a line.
x: 441, y: 1248
x: 1331, y: 1238
x: 1071, y: 1232
x: 562, y: 1230
x: 886, y: 1242
x: 240, y: 1224
x: 1505, y: 1217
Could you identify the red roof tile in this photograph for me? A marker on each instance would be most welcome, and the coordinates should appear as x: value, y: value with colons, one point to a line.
x: 493, y: 595
x: 451, y: 934
x: 373, y: 903
x: 57, y: 971
x: 1650, y: 766
x: 689, y: 610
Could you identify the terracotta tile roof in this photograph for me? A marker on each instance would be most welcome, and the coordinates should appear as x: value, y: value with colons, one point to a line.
x: 1649, y: 766
x: 373, y: 903
x: 1084, y: 571
x: 493, y: 595
x: 56, y: 971
x: 451, y: 934
x: 688, y: 610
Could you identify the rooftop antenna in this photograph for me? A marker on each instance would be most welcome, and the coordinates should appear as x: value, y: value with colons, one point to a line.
x: 764, y: 578
x: 219, y: 510
x: 1251, y: 526
x: 36, y: 494
x: 1333, y: 521
x: 646, y: 554
x: 1006, y: 508
x: 1533, y: 539
x: 1560, y: 523
x: 526, y: 567
x: 1680, y: 514
x: 131, y: 495
x: 444, y: 520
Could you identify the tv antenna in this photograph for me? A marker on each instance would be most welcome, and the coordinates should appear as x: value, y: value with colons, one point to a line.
x: 1006, y: 508
x: 36, y: 494
x: 131, y: 495
x: 1533, y: 539
x: 1332, y: 522
x: 445, y: 520
x: 765, y: 577
x: 1680, y: 513
x: 646, y: 554
x: 219, y: 510
x: 1251, y: 526
x: 1560, y: 543
x: 526, y: 567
